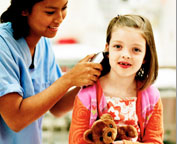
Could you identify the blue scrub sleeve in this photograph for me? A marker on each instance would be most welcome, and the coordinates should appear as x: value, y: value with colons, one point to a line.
x: 9, y: 72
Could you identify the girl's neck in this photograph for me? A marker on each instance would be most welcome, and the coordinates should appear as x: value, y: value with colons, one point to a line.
x: 118, y: 86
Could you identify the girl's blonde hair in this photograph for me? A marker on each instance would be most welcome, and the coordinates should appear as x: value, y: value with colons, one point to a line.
x: 150, y: 66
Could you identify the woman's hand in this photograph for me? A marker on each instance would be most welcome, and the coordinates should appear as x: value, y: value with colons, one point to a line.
x: 84, y: 73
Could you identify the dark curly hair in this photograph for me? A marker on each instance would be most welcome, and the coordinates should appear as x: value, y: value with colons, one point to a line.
x: 14, y: 15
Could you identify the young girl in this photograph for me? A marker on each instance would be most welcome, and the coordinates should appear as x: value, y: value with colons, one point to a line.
x: 31, y: 82
x: 125, y: 88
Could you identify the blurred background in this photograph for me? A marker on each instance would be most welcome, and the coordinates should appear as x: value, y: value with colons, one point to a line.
x: 84, y: 32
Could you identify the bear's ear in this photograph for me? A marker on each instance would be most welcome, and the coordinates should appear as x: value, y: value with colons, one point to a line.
x: 88, y: 136
x: 106, y: 116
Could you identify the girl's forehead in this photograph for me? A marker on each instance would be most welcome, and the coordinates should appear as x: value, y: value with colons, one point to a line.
x: 127, y: 31
x: 128, y: 34
x: 126, y: 28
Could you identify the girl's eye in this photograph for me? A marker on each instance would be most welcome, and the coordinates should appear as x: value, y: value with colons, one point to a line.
x: 117, y: 46
x: 136, y: 50
x: 50, y: 12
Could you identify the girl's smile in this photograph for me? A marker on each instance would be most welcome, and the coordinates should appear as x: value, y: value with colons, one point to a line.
x: 124, y: 64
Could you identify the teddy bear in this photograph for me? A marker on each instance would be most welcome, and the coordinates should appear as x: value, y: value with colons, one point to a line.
x: 105, y: 131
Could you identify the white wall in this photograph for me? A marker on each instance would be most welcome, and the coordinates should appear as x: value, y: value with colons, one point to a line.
x: 3, y: 5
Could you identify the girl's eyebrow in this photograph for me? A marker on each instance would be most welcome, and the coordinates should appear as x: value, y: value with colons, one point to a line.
x: 134, y: 44
x: 117, y: 41
x: 52, y: 7
x: 138, y: 44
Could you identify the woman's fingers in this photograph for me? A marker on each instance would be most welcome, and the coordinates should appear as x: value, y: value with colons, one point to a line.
x: 85, y: 73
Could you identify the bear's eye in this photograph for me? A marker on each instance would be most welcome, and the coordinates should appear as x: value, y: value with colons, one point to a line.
x: 101, y: 138
x: 110, y: 125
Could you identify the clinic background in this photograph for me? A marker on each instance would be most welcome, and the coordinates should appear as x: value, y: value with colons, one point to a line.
x: 84, y: 32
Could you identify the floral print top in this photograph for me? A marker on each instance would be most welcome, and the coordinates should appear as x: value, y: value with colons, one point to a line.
x: 123, y: 110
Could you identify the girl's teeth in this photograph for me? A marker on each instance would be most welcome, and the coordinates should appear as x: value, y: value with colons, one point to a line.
x: 124, y: 64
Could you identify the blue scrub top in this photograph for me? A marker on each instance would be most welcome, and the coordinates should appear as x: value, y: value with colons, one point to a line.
x: 16, y: 76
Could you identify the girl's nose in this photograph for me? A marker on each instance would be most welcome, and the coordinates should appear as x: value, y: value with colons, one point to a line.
x: 126, y: 57
x: 126, y: 54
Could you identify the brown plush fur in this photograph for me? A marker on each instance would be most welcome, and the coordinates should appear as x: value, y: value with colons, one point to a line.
x: 105, y: 131
x: 126, y: 132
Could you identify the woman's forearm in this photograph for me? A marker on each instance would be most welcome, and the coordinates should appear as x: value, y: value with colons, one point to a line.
x: 66, y: 103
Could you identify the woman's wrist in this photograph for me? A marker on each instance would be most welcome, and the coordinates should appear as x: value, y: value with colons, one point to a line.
x: 68, y: 79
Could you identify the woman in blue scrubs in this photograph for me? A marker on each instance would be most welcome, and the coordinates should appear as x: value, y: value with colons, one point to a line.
x: 31, y: 82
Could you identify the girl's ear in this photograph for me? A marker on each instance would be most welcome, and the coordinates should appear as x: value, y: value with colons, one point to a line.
x: 25, y: 13
x: 106, y: 47
x: 106, y: 50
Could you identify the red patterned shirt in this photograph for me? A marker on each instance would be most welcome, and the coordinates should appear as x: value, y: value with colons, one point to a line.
x: 123, y: 110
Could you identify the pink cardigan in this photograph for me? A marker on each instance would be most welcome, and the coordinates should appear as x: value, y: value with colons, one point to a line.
x: 91, y: 103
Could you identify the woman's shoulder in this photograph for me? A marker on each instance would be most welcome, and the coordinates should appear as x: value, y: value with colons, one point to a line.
x: 6, y: 36
x: 6, y: 29
x: 7, y: 40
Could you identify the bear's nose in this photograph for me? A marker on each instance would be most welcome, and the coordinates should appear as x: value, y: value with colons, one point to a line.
x: 109, y: 134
